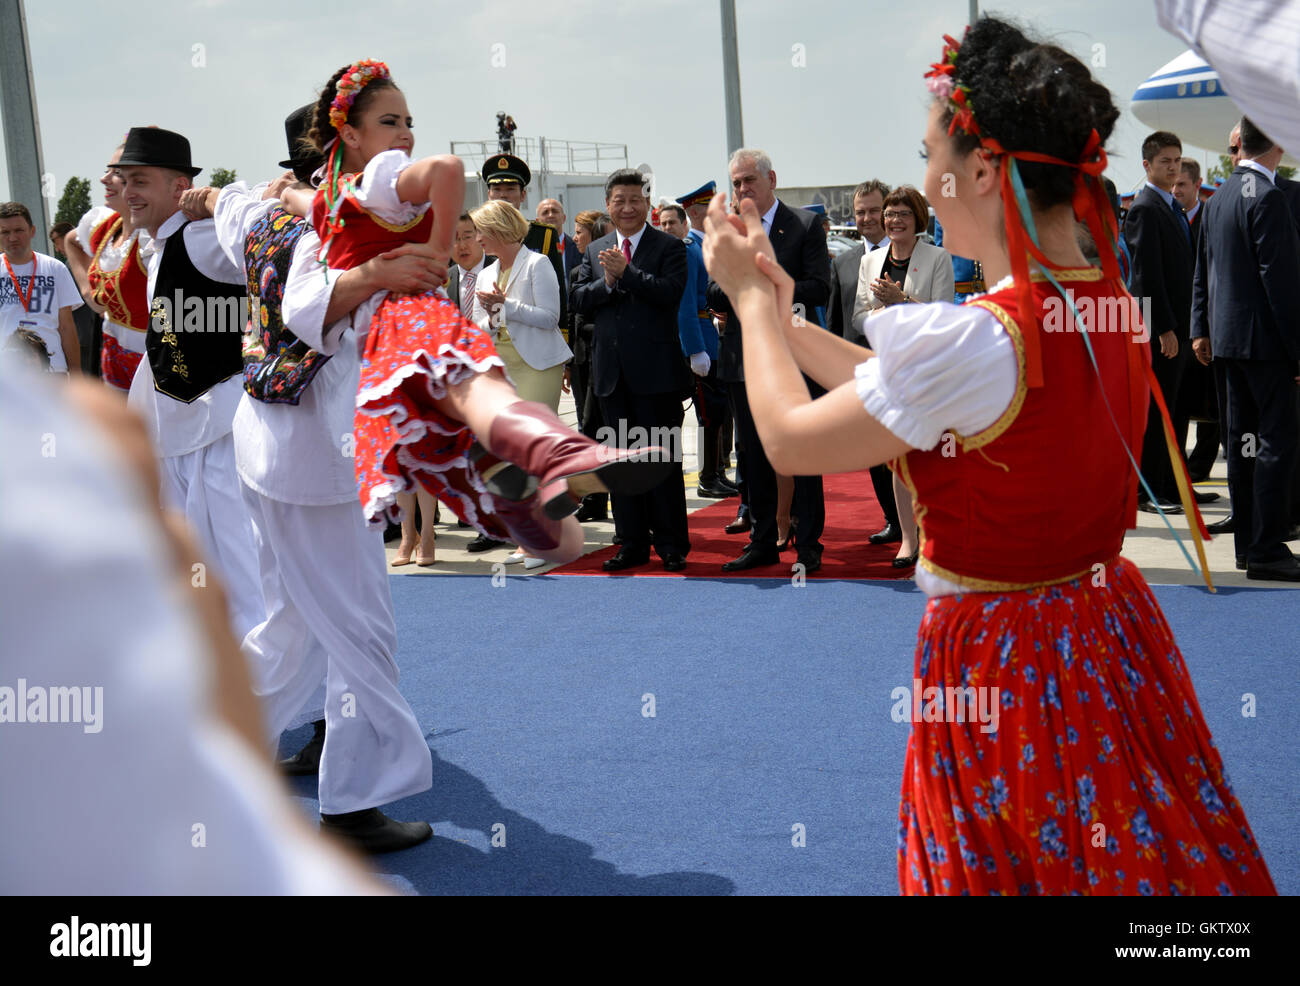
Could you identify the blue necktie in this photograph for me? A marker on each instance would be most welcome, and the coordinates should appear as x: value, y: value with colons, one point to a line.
x: 1183, y: 224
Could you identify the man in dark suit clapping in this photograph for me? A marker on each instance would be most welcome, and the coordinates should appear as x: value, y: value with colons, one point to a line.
x: 630, y: 283
x: 1246, y: 312
x: 799, y: 241
x: 1160, y: 243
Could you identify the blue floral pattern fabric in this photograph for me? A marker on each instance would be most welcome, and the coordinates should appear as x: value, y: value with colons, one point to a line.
x: 1100, y: 777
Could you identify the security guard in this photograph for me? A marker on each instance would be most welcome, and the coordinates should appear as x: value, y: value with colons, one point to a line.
x: 696, y: 204
x: 507, y: 179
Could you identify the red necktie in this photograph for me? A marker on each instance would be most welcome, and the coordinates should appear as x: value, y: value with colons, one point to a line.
x: 627, y: 250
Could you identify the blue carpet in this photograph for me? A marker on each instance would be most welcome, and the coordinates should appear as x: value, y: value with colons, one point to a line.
x: 771, y: 711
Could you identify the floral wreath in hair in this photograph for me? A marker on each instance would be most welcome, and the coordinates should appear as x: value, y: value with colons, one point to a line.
x: 350, y: 83
x: 942, y: 81
x: 1091, y: 207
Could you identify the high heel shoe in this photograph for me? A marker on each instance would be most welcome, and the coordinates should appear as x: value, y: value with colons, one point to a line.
x: 568, y: 465
x: 424, y: 562
x: 400, y: 559
x: 789, y: 538
x: 907, y: 561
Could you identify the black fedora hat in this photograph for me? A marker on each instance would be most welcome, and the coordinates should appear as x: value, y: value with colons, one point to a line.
x: 302, y: 162
x: 152, y: 147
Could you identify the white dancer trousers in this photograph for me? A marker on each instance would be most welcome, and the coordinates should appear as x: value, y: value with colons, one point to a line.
x: 330, y: 616
x: 204, y: 486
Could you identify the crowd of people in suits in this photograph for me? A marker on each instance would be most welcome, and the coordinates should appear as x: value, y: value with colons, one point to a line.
x: 647, y: 331
x: 1221, y: 282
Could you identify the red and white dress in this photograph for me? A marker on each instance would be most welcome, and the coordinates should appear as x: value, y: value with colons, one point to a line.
x: 416, y: 347
x: 119, y: 280
x: 1101, y: 776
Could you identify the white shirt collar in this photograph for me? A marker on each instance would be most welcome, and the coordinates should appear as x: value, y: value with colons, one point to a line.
x: 149, y: 244
x: 883, y: 241
x: 476, y: 268
x: 1191, y: 213
x: 635, y: 238
x: 769, y: 214
x: 1256, y: 166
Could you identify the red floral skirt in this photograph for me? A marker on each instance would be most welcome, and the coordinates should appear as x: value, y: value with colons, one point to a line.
x: 417, y: 347
x: 1100, y: 777
x: 117, y: 364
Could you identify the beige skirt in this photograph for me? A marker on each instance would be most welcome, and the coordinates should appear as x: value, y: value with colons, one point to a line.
x: 542, y: 386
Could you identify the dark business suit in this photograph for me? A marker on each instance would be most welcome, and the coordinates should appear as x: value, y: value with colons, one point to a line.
x: 1197, y: 398
x: 844, y: 292
x: 638, y: 373
x: 799, y: 242
x: 1246, y: 300
x: 1290, y: 190
x: 1163, y: 262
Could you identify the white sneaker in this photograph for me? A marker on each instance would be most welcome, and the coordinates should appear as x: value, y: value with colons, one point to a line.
x: 531, y: 562
x: 515, y: 557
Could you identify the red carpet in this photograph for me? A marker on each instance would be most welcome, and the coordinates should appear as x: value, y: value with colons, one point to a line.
x: 852, y: 513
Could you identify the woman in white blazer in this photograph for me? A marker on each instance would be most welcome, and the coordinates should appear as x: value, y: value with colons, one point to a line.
x: 908, y: 270
x: 517, y: 300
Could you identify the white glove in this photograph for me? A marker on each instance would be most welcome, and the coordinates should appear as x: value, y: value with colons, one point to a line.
x: 700, y: 364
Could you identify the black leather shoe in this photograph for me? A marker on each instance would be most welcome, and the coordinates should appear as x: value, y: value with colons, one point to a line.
x: 810, y: 561
x: 1207, y: 497
x: 889, y: 534
x: 624, y: 559
x: 1286, y: 570
x: 1225, y: 526
x: 752, y: 558
x: 1241, y: 563
x: 1293, y: 534
x: 1168, y: 506
x: 716, y: 492
x: 907, y: 561
x: 673, y: 562
x: 306, y: 761
x: 740, y: 525
x: 593, y: 508
x: 485, y: 543
x: 371, y: 831
x: 723, y: 483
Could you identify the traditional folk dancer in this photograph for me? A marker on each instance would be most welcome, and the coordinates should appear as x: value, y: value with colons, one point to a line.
x: 104, y: 255
x: 435, y: 404
x: 189, y: 385
x: 324, y: 574
x: 1099, y: 775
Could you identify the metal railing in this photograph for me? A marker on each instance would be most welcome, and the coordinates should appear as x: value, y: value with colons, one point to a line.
x: 547, y: 154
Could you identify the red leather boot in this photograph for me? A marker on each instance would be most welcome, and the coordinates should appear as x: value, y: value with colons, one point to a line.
x: 569, y: 465
x: 517, y: 506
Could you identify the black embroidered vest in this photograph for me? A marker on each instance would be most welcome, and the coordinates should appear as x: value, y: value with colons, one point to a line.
x: 195, y: 328
x: 278, y: 365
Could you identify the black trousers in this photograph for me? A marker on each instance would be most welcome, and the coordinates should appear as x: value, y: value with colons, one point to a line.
x: 1156, y: 467
x: 807, y: 511
x: 882, y: 481
x: 663, y: 509
x: 1263, y: 439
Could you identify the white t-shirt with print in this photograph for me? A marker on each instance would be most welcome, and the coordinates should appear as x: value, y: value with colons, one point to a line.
x: 53, y: 291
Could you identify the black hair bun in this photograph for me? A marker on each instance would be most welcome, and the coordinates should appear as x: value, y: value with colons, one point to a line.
x: 1031, y: 96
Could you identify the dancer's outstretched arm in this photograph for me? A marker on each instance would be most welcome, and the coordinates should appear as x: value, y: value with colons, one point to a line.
x: 439, y: 180
x: 801, y: 436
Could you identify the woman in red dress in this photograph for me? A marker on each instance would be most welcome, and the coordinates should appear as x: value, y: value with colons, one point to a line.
x: 435, y: 405
x: 1061, y: 748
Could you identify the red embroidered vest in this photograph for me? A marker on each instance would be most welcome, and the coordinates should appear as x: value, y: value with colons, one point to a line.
x: 124, y: 292
x: 1046, y: 491
x: 364, y: 235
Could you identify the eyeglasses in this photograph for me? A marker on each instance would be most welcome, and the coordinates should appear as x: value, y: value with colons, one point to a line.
x: 905, y: 214
x: 1233, y: 148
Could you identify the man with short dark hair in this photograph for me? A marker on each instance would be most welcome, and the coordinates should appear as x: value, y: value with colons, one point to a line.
x: 37, y: 294
x: 868, y: 210
x: 799, y: 243
x: 1160, y: 243
x: 1196, y: 395
x: 630, y: 284
x: 1246, y: 313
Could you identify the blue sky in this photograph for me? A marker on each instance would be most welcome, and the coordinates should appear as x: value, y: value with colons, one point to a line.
x: 832, y: 90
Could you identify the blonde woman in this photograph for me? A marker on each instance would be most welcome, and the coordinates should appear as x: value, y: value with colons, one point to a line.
x: 520, y: 307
